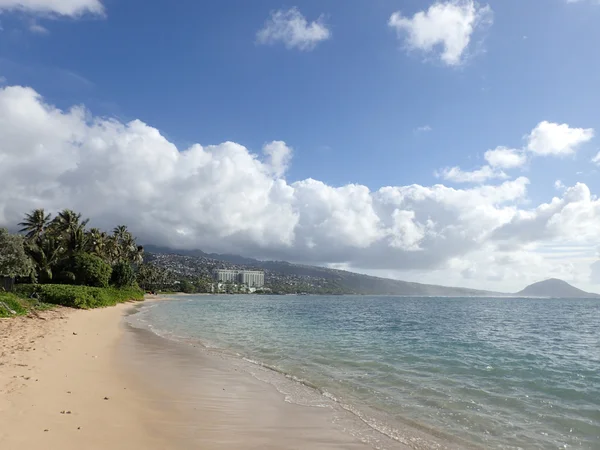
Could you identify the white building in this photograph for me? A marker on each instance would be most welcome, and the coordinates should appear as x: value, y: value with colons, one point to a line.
x: 251, y: 278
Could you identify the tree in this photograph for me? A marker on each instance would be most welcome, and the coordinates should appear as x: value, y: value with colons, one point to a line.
x: 187, y: 287
x: 90, y: 270
x: 45, y: 254
x: 35, y: 224
x: 150, y: 277
x: 14, y: 262
x: 54, y: 245
x: 203, y: 285
x: 122, y: 275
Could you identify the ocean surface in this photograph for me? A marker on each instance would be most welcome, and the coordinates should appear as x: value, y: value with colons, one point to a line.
x: 497, y: 373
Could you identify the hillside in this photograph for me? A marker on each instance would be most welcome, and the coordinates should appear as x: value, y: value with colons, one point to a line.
x: 555, y: 288
x: 287, y: 277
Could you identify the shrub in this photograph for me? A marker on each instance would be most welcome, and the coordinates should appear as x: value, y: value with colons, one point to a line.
x: 82, y: 297
x: 90, y: 270
x: 9, y: 303
x: 122, y: 275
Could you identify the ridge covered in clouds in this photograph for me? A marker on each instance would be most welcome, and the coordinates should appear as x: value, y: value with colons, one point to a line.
x: 227, y: 198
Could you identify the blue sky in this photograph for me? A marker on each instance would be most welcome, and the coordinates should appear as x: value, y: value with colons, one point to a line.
x: 357, y: 101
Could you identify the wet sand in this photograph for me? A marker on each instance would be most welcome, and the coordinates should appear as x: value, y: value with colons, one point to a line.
x: 87, y: 380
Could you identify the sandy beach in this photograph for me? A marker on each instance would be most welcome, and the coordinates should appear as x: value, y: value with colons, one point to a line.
x: 73, y: 379
x: 61, y: 386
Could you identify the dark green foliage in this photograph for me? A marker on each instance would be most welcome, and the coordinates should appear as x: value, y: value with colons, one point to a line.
x: 152, y: 278
x: 82, y: 297
x: 187, y: 287
x: 90, y: 270
x: 122, y: 275
x: 53, y: 244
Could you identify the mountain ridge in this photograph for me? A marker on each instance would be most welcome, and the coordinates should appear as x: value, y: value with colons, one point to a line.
x: 356, y: 283
x: 350, y: 282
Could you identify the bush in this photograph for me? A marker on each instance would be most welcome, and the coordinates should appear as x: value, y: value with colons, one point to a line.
x: 90, y: 270
x: 122, y: 275
x: 10, y: 302
x: 82, y: 297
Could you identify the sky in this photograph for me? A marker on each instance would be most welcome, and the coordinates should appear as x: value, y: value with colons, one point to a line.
x: 448, y: 142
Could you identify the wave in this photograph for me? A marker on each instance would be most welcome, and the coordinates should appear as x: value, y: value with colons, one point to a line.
x: 416, y: 435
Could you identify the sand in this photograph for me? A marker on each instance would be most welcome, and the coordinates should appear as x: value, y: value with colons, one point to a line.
x: 61, y: 388
x: 73, y: 379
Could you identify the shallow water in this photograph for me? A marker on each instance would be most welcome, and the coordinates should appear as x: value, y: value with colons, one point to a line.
x: 499, y: 373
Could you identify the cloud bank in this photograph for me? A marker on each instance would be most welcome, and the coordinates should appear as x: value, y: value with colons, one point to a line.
x: 228, y: 198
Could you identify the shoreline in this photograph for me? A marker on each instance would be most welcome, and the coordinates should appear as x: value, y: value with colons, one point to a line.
x: 77, y: 379
x: 74, y: 379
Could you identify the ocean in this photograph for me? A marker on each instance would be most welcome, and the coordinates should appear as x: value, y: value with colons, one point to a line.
x: 503, y: 373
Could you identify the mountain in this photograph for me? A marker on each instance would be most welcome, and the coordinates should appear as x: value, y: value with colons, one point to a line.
x: 305, y: 278
x: 555, y: 288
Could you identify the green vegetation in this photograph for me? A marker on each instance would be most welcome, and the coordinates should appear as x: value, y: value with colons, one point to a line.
x: 83, y: 297
x: 13, y: 305
x: 61, y: 262
x: 122, y: 275
x: 13, y: 259
x: 91, y: 270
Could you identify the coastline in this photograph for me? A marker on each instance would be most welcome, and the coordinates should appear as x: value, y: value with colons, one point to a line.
x: 74, y: 379
x: 88, y: 379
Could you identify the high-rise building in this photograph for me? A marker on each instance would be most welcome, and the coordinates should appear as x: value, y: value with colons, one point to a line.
x: 251, y: 278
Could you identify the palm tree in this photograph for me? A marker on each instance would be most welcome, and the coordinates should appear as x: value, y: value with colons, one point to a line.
x: 45, y: 254
x: 96, y: 243
x: 66, y: 221
x: 35, y: 224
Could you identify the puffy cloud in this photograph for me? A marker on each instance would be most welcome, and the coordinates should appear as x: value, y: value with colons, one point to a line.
x: 505, y: 158
x: 227, y: 198
x: 481, y: 175
x: 573, y: 218
x: 449, y: 25
x: 293, y: 30
x: 545, y: 139
x: 72, y: 8
x: 279, y: 155
x: 557, y: 139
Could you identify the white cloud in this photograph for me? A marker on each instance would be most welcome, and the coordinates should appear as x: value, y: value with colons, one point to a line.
x: 423, y: 129
x: 557, y: 139
x: 38, y: 29
x: 559, y: 185
x: 596, y: 159
x: 574, y: 218
x: 505, y: 158
x: 227, y: 198
x: 280, y: 156
x: 449, y: 25
x: 72, y: 8
x: 293, y: 30
x: 481, y: 175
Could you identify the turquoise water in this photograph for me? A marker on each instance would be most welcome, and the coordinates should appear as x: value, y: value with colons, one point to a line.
x: 500, y: 373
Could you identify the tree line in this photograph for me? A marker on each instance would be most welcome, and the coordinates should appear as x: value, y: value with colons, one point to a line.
x: 63, y: 250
